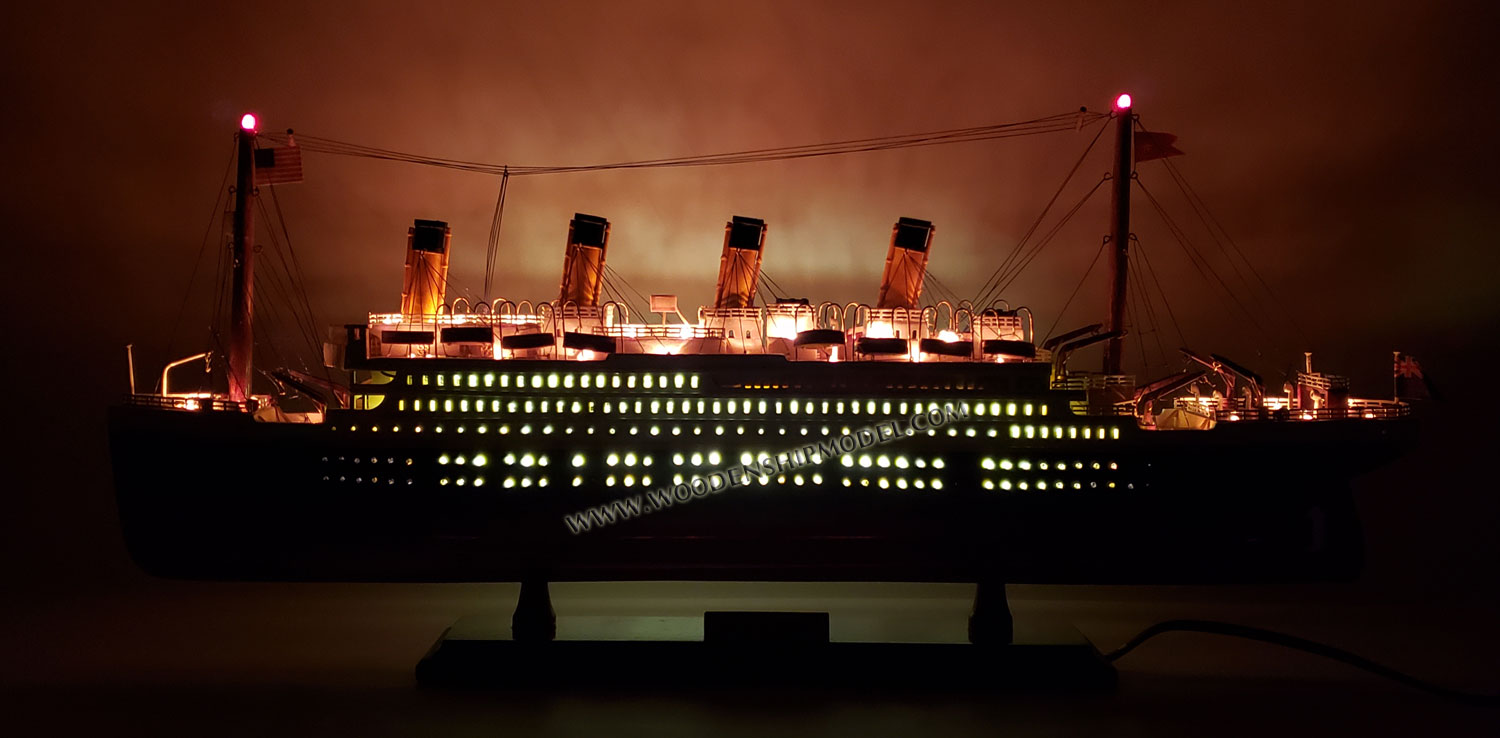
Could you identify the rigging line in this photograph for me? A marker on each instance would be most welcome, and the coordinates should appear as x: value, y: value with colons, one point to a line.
x: 270, y: 281
x: 942, y: 290
x: 1047, y: 238
x: 616, y: 274
x: 1200, y: 209
x: 285, y: 284
x: 1204, y: 268
x: 264, y: 334
x: 614, y: 294
x: 1142, y: 318
x: 299, y: 280
x: 312, y: 143
x: 494, y: 238
x: 688, y: 162
x: 629, y: 294
x: 275, y: 282
x: 1086, y: 272
x: 939, y: 287
x: 334, y: 146
x: 1146, y: 259
x: 1212, y: 236
x: 213, y: 217
x: 1046, y: 125
x: 775, y: 287
x: 1131, y: 312
x: 760, y: 291
x: 296, y: 273
x: 1018, y: 252
x: 1139, y: 288
x: 305, y: 322
x: 222, y: 272
x: 999, y: 270
x: 1192, y: 193
x: 790, y: 156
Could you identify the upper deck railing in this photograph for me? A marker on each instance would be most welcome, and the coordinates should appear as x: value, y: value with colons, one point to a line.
x: 191, y: 403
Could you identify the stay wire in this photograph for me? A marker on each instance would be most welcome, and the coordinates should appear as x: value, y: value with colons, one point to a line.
x: 1146, y: 259
x: 1153, y: 323
x: 300, y: 282
x: 986, y: 291
x: 1212, y: 223
x: 284, y: 284
x: 775, y: 288
x: 1201, y: 263
x: 214, y: 217
x: 494, y: 239
x: 1046, y: 239
x: 1102, y: 243
x: 1050, y: 124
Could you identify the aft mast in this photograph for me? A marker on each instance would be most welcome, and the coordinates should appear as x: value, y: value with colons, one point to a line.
x: 242, y: 305
x: 1119, y: 236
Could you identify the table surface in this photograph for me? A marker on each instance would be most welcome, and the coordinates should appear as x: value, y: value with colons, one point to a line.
x: 166, y: 658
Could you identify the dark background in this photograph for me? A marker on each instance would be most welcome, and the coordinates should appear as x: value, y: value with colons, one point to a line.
x: 1347, y: 147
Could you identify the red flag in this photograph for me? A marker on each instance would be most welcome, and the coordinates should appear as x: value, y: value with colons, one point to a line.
x: 280, y: 165
x: 1153, y: 145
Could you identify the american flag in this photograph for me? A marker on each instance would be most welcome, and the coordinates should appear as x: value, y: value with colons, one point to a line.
x: 279, y: 165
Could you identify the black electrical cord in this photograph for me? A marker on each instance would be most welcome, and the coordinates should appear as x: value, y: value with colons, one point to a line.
x: 1301, y: 644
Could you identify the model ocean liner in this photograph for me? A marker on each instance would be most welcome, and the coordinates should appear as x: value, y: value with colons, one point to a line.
x: 468, y: 433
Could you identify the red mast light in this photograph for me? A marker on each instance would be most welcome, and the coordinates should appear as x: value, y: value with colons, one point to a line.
x: 1123, y: 101
x: 248, y: 122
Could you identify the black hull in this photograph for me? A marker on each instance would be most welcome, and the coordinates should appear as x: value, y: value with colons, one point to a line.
x: 216, y: 496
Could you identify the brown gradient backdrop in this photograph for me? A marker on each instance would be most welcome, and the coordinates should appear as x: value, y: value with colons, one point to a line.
x: 1348, y: 147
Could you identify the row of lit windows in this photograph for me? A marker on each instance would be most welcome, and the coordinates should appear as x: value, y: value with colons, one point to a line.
x: 598, y: 380
x: 1016, y: 431
x: 710, y: 458
x: 510, y: 459
x: 1057, y: 431
x: 556, y: 380
x: 990, y: 464
x: 654, y: 430
x: 371, y: 460
x: 816, y: 479
x: 1008, y: 485
x: 733, y: 406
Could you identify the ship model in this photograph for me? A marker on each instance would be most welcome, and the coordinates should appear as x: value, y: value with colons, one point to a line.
x: 494, y: 441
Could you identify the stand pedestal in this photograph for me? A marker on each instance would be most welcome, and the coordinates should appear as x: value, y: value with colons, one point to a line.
x: 738, y: 649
